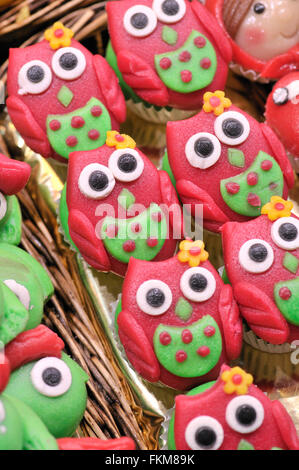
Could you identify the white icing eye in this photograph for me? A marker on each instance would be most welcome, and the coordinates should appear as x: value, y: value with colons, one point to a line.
x: 169, y: 11
x: 244, y: 414
x: 154, y: 297
x: 285, y: 233
x: 126, y: 164
x: 3, y: 206
x: 96, y: 181
x: 280, y: 96
x: 256, y: 256
x: 232, y: 128
x: 2, y: 412
x: 203, y: 150
x: 20, y: 291
x: 68, y: 63
x: 140, y: 21
x: 34, y: 78
x: 51, y: 377
x: 204, y: 433
x: 198, y: 284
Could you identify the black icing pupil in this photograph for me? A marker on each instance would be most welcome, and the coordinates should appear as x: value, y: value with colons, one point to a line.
x: 35, y: 74
x: 51, y: 376
x: 246, y: 415
x: 170, y: 7
x: 205, y: 437
x: 204, y: 147
x: 259, y: 8
x: 288, y: 232
x: 127, y: 163
x: 155, y: 297
x: 232, y: 128
x: 139, y: 20
x: 198, y: 282
x: 98, y: 180
x: 258, y: 253
x: 68, y: 61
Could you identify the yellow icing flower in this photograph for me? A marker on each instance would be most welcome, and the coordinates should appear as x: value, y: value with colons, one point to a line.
x: 119, y: 141
x: 58, y: 35
x: 192, y: 252
x: 215, y: 102
x: 236, y: 381
x: 277, y: 208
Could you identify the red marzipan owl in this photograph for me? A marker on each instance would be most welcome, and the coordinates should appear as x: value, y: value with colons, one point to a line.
x: 231, y: 414
x: 226, y: 160
x: 168, y: 51
x: 62, y: 98
x: 178, y: 322
x: 261, y: 260
x: 115, y: 196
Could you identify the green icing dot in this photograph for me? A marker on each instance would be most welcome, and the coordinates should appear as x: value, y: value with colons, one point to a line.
x: 290, y: 262
x: 289, y: 306
x: 128, y: 242
x: 194, y: 365
x: 126, y: 199
x: 236, y: 158
x: 65, y: 96
x: 245, y: 445
x: 183, y: 309
x: 169, y: 35
x: 201, y: 76
x: 270, y: 183
x: 58, y: 138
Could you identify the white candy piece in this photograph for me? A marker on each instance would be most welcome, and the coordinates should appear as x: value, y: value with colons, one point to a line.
x: 32, y: 88
x: 231, y: 414
x: 219, y: 129
x: 203, y: 422
x: 64, y: 73
x: 38, y: 381
x: 142, y: 291
x: 196, y: 160
x: 191, y: 294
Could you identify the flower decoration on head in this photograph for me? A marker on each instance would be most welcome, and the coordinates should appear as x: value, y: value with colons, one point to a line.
x: 277, y: 208
x: 58, y: 35
x: 215, y: 102
x: 236, y: 381
x: 119, y: 141
x: 193, y: 253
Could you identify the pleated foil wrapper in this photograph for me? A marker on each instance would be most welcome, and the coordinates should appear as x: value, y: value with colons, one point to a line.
x: 105, y: 290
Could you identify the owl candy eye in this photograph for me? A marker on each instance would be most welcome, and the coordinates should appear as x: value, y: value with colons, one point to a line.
x: 285, y: 233
x: 140, y: 21
x: 232, y: 128
x: 280, y: 96
x: 3, y: 206
x: 126, y: 164
x: 204, y: 433
x: 20, y: 291
x: 68, y: 63
x: 203, y: 150
x: 154, y: 297
x: 244, y: 414
x: 198, y: 284
x: 169, y: 11
x: 51, y: 377
x: 256, y: 256
x: 96, y: 181
x: 34, y: 78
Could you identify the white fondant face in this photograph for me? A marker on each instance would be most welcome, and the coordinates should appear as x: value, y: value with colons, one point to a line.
x: 270, y: 28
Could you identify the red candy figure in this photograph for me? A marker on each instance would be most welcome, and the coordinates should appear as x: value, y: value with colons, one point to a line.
x: 282, y: 113
x: 62, y: 97
x: 227, y: 161
x: 263, y: 35
x: 13, y: 175
x: 114, y: 198
x: 230, y: 414
x: 262, y: 259
x: 167, y: 51
x: 177, y: 321
x: 92, y: 443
